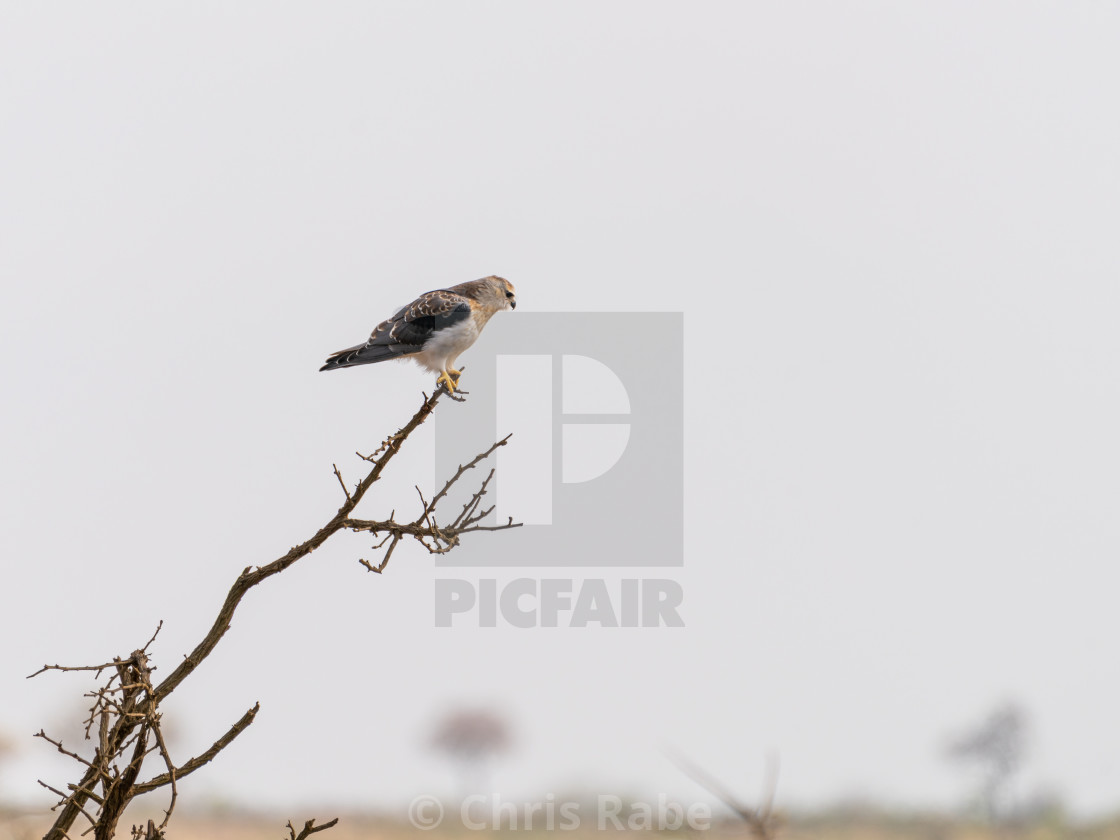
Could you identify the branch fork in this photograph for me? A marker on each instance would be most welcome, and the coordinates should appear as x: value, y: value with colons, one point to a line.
x: 125, y: 721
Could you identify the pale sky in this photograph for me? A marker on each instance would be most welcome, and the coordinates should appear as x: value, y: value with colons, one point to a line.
x: 891, y: 229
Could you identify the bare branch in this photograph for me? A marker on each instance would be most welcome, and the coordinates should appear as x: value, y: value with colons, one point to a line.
x: 124, y: 711
x: 250, y: 578
x: 97, y: 668
x: 67, y: 799
x: 471, y: 505
x: 463, y: 468
x: 58, y: 746
x: 341, y: 483
x: 380, y: 567
x: 193, y: 764
x: 424, y: 529
x: 148, y: 832
x: 171, y: 771
x: 309, y: 828
x: 149, y: 642
x: 760, y: 821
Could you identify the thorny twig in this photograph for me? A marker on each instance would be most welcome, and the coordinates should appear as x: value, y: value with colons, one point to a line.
x: 125, y: 711
x: 425, y: 529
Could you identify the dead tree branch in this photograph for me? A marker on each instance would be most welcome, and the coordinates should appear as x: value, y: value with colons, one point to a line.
x: 424, y: 529
x: 761, y: 821
x: 309, y: 828
x: 124, y: 718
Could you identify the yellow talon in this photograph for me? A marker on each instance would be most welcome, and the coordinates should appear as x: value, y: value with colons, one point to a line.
x: 446, y: 381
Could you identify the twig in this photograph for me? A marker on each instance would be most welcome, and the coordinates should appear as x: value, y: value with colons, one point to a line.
x: 97, y: 668
x: 482, y: 456
x: 341, y: 483
x: 149, y: 643
x: 193, y: 764
x: 171, y: 771
x: 760, y: 820
x: 58, y: 745
x: 424, y: 529
x: 309, y: 828
x: 68, y: 800
x: 380, y: 567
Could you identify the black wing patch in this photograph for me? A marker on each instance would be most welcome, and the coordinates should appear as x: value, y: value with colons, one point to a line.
x: 407, y: 331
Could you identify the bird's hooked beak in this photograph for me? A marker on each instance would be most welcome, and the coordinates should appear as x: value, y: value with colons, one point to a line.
x: 513, y: 304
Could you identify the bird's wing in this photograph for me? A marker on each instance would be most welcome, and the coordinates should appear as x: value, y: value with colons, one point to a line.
x: 407, y: 331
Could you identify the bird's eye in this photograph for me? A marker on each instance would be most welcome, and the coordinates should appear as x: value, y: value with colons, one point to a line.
x: 509, y: 294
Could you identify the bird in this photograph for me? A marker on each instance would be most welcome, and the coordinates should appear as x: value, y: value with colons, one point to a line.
x: 434, y: 329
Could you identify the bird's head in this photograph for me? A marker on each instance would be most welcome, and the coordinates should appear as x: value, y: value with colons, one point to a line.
x: 498, y: 293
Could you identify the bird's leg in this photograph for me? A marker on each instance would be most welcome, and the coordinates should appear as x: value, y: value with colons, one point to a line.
x: 455, y: 373
x: 446, y: 381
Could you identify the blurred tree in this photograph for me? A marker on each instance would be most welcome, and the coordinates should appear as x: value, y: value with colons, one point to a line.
x: 997, y: 744
x: 471, y: 737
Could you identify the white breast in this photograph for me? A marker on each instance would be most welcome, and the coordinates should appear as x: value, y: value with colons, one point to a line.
x: 441, y: 350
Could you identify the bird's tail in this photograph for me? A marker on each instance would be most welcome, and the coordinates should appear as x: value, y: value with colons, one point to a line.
x: 360, y: 354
